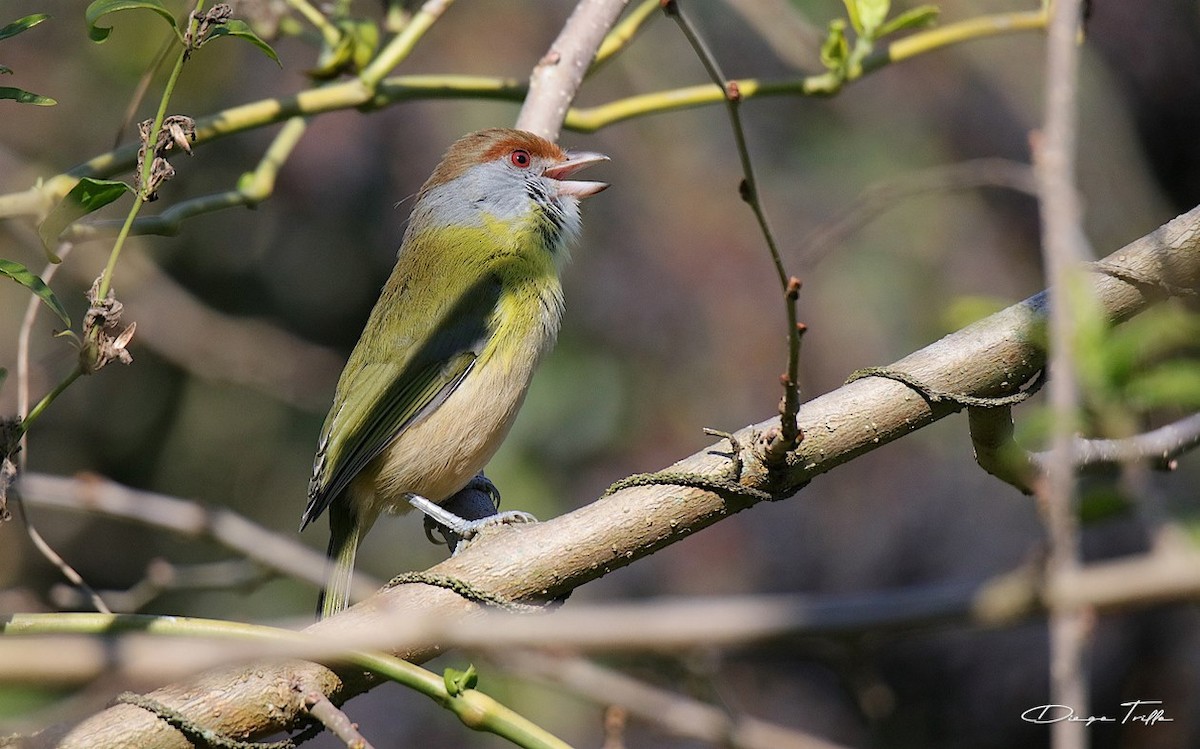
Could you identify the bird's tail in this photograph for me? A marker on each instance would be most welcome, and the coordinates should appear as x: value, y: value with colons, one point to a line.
x: 345, y: 531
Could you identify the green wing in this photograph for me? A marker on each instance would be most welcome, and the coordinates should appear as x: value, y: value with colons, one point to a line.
x: 389, y: 386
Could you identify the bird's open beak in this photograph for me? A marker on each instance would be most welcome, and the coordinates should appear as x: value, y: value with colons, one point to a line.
x: 576, y: 160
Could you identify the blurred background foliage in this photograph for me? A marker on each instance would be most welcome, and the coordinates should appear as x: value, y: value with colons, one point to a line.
x: 672, y: 325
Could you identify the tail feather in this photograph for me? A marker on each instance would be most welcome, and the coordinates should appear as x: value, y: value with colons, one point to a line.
x: 345, y: 531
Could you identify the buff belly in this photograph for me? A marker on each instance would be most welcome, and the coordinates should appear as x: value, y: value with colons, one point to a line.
x: 437, y: 456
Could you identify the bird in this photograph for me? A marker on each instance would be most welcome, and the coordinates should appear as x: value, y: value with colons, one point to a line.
x: 442, y: 366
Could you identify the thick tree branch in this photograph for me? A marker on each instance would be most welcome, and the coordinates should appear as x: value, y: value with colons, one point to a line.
x: 550, y: 559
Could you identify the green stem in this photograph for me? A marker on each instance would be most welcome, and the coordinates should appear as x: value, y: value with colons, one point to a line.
x: 351, y: 94
x: 624, y: 32
x: 47, y: 399
x: 475, y: 709
x: 148, y: 162
x: 402, y: 44
x: 329, y: 32
x: 955, y: 33
x: 253, y: 188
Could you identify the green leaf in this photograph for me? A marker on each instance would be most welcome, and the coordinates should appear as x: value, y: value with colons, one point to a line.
x: 871, y: 15
x: 913, y: 18
x: 100, y: 8
x: 86, y: 196
x: 5, y: 69
x: 366, y: 42
x: 241, y: 30
x: 458, y: 682
x: 26, y: 97
x: 22, y: 24
x: 21, y: 275
x: 835, y: 50
x: 852, y: 13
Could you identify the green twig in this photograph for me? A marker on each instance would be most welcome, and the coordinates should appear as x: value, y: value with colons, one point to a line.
x: 624, y: 32
x: 590, y: 119
x: 142, y: 195
x: 253, y: 188
x: 329, y: 32
x: 958, y: 32
x: 47, y: 399
x: 402, y: 44
x: 475, y: 709
x: 351, y: 94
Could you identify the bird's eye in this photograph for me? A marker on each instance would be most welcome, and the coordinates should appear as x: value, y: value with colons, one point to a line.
x: 520, y: 158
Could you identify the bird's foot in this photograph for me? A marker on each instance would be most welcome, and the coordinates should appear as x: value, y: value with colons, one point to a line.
x: 457, y: 529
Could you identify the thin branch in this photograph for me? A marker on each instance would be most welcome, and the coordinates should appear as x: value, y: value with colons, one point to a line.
x: 998, y: 453
x: 594, y: 118
x: 784, y: 439
x: 275, y: 551
x: 253, y: 188
x: 1064, y: 250
x: 338, y: 723
x: 557, y: 76
x: 24, y: 415
x: 65, y: 569
x: 351, y: 94
x: 403, y: 43
x: 678, y: 715
x: 162, y: 576
x: 329, y: 33
x: 885, y: 195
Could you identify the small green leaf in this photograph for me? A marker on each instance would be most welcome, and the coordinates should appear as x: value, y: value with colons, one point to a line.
x: 5, y: 69
x: 26, y: 97
x: 913, y: 18
x: 22, y: 24
x: 86, y: 196
x: 852, y: 12
x: 242, y: 30
x: 458, y: 682
x: 100, y: 8
x: 21, y: 275
x: 871, y: 15
x: 835, y: 50
x: 366, y: 42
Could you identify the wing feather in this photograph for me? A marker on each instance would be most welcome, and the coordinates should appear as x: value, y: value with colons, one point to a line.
x: 388, y: 386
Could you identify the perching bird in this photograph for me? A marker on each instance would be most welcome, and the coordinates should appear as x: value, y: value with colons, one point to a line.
x: 444, y: 361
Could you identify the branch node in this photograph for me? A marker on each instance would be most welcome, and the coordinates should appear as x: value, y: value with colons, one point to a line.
x: 733, y: 92
x: 793, y: 289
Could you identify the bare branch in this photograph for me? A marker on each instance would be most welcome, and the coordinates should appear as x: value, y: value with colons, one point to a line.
x: 338, y: 723
x: 998, y: 453
x: 558, y: 75
x: 162, y: 576
x: 1064, y: 250
x: 679, y: 715
x: 225, y: 527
